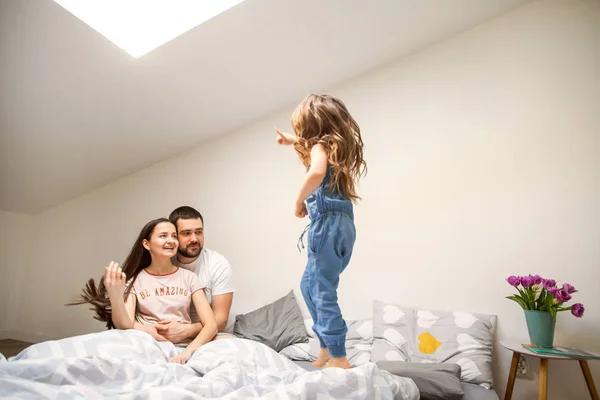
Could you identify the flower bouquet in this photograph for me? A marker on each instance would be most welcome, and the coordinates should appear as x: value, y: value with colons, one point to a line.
x: 541, y: 300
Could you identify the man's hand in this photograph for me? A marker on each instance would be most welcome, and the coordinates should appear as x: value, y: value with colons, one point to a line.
x: 173, y: 331
x: 151, y: 330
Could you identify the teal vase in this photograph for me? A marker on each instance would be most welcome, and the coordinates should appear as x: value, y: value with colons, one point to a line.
x: 541, y: 327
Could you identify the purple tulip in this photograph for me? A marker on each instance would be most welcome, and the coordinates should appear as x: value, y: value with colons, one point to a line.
x: 553, y: 291
x: 527, y: 281
x: 569, y: 288
x: 563, y: 296
x: 537, y: 279
x: 549, y: 283
x: 577, y: 310
x: 514, y: 280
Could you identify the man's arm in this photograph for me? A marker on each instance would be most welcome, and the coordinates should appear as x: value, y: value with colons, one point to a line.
x: 175, y: 332
x: 221, y: 304
x: 222, y: 291
x: 222, y: 298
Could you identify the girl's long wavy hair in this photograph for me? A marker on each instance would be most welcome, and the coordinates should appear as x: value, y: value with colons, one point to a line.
x: 325, y: 119
x: 138, y: 259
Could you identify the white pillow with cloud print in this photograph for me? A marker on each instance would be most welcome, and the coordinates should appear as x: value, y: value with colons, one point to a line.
x: 433, y: 336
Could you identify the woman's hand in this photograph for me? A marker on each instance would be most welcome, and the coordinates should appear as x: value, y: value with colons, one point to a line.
x: 285, y: 138
x: 181, y: 358
x: 114, y: 280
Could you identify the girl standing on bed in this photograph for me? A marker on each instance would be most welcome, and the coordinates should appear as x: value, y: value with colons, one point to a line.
x: 149, y: 282
x: 328, y: 142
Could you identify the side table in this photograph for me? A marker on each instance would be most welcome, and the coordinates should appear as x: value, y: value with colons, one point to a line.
x: 518, y: 349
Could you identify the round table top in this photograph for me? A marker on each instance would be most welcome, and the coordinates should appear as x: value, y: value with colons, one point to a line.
x: 517, y: 346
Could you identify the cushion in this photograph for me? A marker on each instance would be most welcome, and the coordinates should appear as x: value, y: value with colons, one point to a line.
x: 277, y: 325
x: 478, y: 392
x: 434, y: 336
x: 435, y: 381
x: 359, y: 343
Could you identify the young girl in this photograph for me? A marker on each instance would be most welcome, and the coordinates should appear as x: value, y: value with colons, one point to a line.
x: 149, y: 282
x: 329, y: 144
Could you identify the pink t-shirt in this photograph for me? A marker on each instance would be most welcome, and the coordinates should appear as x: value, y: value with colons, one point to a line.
x: 165, y: 296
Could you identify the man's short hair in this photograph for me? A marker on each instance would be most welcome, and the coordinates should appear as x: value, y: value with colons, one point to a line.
x: 184, y: 212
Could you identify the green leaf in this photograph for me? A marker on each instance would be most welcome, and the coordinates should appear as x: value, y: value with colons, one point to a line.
x: 518, y: 300
x: 527, y: 295
x: 531, y: 294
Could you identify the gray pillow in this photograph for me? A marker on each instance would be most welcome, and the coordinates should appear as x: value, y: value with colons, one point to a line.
x: 435, y: 381
x: 277, y: 325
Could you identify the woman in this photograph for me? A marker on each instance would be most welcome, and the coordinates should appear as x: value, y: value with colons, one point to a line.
x: 149, y: 282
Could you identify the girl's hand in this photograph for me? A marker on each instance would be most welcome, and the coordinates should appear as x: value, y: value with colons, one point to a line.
x: 114, y: 280
x: 285, y: 138
x: 181, y: 358
x: 301, y: 210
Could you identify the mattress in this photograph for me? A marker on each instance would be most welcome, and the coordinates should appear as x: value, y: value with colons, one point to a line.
x: 472, y: 391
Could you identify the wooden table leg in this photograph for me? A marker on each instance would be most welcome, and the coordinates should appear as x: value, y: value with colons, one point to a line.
x: 512, y: 375
x: 543, y: 389
x: 585, y: 368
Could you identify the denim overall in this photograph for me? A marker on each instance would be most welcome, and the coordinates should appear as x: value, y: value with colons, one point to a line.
x: 331, y: 236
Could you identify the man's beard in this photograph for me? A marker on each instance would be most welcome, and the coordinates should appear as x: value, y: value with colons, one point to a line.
x: 190, y: 254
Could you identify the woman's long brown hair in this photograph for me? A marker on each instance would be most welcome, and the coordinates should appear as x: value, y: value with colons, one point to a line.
x: 325, y: 119
x: 138, y: 259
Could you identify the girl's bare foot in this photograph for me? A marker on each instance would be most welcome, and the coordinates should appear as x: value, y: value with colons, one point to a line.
x: 322, y: 358
x: 341, y: 362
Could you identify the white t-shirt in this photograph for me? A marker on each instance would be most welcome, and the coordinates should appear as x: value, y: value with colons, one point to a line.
x: 214, y: 274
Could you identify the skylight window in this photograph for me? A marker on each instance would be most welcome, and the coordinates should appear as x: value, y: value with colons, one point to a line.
x: 140, y: 26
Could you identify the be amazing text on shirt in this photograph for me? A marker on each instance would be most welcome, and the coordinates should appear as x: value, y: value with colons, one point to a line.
x: 162, y: 291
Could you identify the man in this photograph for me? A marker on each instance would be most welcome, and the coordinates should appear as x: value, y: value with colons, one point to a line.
x: 213, y: 270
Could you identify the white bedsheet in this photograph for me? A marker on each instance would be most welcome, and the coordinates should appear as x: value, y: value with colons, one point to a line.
x: 131, y: 364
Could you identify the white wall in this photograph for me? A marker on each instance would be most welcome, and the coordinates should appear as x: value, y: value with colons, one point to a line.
x: 482, y: 154
x: 17, y: 242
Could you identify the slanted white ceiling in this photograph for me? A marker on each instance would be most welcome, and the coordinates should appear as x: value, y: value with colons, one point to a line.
x: 140, y: 26
x: 77, y: 112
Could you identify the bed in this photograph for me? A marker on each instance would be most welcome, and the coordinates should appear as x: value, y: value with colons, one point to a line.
x: 131, y: 364
x: 471, y: 391
x: 270, y: 358
x: 448, y: 354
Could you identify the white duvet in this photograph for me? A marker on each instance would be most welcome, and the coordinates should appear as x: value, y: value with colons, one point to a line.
x: 131, y: 364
